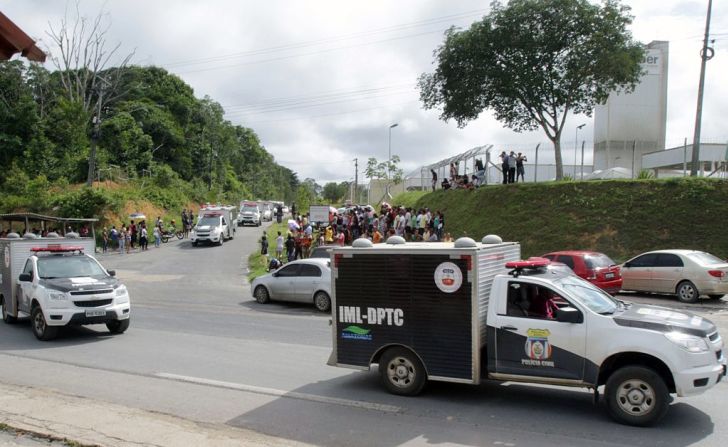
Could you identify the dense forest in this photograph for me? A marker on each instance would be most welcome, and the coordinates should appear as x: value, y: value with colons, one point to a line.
x: 154, y: 141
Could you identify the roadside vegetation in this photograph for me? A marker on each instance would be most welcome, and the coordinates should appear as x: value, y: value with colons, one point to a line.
x: 620, y: 218
x: 257, y: 263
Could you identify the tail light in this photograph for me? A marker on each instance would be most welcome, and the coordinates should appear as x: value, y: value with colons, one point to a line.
x: 337, y: 258
x: 468, y: 261
x: 591, y: 274
x: 717, y: 273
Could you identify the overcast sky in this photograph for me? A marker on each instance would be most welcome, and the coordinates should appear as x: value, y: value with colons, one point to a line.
x: 321, y: 81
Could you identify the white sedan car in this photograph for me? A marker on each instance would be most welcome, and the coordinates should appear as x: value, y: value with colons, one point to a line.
x: 302, y: 281
x: 685, y: 273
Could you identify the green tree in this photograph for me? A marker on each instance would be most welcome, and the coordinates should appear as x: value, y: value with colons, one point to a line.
x: 533, y: 62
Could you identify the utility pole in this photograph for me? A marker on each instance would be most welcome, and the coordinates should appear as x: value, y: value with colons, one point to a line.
x: 706, y: 54
x: 356, y: 181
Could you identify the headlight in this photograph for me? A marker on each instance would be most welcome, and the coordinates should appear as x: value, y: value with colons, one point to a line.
x: 121, y: 290
x: 57, y: 296
x: 690, y: 343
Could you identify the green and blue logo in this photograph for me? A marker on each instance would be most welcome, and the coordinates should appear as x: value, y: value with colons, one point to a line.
x: 356, y: 333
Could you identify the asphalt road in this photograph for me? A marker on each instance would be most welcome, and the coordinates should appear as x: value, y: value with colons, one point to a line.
x: 200, y: 347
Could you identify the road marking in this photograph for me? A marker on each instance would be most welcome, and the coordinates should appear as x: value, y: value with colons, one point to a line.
x: 281, y: 393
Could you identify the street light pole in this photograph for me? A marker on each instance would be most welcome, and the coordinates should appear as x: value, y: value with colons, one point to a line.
x: 576, y: 144
x: 389, y: 156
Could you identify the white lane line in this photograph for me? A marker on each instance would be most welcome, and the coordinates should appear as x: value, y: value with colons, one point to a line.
x: 281, y: 393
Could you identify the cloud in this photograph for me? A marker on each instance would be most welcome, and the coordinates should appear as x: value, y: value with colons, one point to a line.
x: 320, y: 82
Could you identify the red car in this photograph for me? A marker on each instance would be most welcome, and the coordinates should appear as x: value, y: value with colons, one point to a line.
x: 597, y: 268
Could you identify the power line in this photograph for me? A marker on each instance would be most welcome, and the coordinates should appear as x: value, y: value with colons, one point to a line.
x: 339, y: 38
x: 332, y: 114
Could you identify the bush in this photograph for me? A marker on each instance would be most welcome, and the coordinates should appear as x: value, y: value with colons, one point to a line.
x: 84, y: 203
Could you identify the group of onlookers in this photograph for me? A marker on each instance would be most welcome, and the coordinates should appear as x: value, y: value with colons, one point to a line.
x: 512, y: 166
x: 128, y: 237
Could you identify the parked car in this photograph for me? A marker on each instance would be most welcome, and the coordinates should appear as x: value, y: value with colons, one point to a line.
x: 685, y: 273
x: 595, y: 267
x: 302, y: 281
x: 322, y: 251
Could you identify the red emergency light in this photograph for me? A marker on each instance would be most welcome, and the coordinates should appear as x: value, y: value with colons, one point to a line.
x: 55, y: 248
x: 530, y: 263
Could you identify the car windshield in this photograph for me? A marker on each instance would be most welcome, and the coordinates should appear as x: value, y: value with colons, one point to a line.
x: 68, y: 267
x: 213, y: 221
x: 591, y: 296
x: 598, y: 261
x: 705, y: 258
x: 250, y: 209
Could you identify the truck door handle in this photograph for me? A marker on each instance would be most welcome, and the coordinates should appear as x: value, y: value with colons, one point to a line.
x: 509, y: 328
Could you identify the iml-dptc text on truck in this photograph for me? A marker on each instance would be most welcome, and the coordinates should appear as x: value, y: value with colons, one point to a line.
x: 466, y: 311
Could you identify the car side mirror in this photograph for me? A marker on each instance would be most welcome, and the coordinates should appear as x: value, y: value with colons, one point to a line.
x: 275, y: 274
x: 569, y: 315
x: 111, y: 272
x: 25, y: 277
x: 627, y: 265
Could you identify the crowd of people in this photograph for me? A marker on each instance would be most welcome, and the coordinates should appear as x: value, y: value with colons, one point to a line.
x: 512, y: 167
x: 136, y: 236
x: 414, y: 225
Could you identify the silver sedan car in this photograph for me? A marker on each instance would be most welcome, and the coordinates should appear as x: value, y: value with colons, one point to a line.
x: 685, y: 273
x: 302, y: 281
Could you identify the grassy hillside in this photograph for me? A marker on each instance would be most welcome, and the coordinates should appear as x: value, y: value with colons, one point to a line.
x: 621, y: 218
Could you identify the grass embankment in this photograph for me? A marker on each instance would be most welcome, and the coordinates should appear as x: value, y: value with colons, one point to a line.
x: 621, y: 218
x: 257, y: 264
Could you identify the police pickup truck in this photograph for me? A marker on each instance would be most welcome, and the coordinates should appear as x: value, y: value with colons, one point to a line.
x: 466, y: 311
x: 60, y: 285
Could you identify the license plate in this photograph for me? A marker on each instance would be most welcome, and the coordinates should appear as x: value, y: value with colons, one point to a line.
x: 609, y: 275
x: 95, y: 313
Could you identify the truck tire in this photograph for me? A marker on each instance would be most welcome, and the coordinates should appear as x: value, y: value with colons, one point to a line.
x: 261, y: 295
x: 322, y: 301
x: 637, y: 396
x: 402, y: 372
x: 118, y: 326
x: 7, y: 318
x: 221, y: 240
x: 687, y: 292
x: 194, y: 243
x: 41, y: 330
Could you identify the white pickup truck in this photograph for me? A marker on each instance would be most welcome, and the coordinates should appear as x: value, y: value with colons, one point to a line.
x: 466, y: 311
x: 59, y: 285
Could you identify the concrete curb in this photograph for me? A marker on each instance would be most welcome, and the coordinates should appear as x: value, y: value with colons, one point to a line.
x: 53, y: 415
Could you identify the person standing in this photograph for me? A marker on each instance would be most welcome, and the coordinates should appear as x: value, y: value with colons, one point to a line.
x: 290, y: 248
x: 279, y: 245
x: 105, y: 240
x: 520, y: 172
x: 434, y: 179
x: 512, y: 167
x: 504, y: 166
x: 143, y: 239
x: 122, y: 239
x: 157, y: 236
x: 133, y: 237
x: 453, y: 172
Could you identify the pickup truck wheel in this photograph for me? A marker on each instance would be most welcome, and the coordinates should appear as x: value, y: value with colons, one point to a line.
x: 9, y: 319
x: 687, y: 292
x: 194, y: 243
x: 402, y: 372
x: 637, y: 396
x: 322, y: 301
x: 118, y: 326
x: 261, y: 295
x: 40, y: 329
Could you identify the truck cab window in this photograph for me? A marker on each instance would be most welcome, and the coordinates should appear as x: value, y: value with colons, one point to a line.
x: 532, y: 301
x: 28, y: 267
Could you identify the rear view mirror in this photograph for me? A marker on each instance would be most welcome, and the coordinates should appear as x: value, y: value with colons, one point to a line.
x: 111, y: 272
x: 569, y: 315
x: 25, y: 277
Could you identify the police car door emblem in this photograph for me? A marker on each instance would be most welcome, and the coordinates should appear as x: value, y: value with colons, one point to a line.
x: 448, y: 277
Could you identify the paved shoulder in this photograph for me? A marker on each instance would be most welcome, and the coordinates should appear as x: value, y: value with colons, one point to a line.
x: 89, y: 422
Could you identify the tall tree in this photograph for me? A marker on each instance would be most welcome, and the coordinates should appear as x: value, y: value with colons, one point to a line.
x: 533, y: 62
x: 84, y: 63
